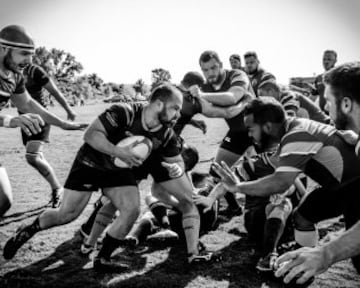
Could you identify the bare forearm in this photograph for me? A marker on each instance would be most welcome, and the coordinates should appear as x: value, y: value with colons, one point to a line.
x: 98, y: 141
x: 344, y: 247
x: 33, y: 107
x: 62, y: 101
x: 262, y: 187
x: 220, y: 98
x: 217, y: 192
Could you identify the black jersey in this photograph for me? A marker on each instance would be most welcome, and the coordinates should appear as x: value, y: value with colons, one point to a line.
x: 120, y: 119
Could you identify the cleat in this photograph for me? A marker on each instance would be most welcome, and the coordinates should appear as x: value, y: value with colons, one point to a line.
x: 266, y: 264
x: 56, y: 195
x: 14, y: 243
x: 103, y: 265
x: 86, y: 249
x: 203, y: 257
x: 166, y: 234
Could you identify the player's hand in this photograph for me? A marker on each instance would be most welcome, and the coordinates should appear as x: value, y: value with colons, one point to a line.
x: 349, y: 136
x: 228, y: 177
x: 206, y: 202
x: 174, y: 169
x: 200, y: 124
x: 29, y: 123
x: 66, y: 125
x: 304, y: 263
x: 71, y: 115
x: 126, y: 154
x: 195, y: 91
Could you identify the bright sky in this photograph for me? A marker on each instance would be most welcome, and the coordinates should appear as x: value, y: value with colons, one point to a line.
x: 123, y: 41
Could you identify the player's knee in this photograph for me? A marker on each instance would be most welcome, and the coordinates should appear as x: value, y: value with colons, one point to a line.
x: 5, y: 203
x: 301, y: 223
x: 32, y: 158
x: 130, y: 213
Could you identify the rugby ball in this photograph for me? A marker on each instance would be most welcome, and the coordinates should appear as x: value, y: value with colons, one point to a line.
x: 142, y: 148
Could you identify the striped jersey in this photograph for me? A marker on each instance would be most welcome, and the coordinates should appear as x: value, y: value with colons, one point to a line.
x: 35, y: 79
x: 233, y: 78
x: 319, y: 151
x: 259, y: 77
x: 123, y: 120
x: 13, y: 83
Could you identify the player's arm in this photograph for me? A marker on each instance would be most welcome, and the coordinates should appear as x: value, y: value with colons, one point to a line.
x: 230, y: 97
x: 278, y: 182
x: 97, y: 137
x: 51, y: 87
x: 26, y: 104
x: 211, y: 111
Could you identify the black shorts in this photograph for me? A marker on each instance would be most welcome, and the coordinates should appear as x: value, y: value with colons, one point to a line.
x: 83, y: 177
x: 236, y: 142
x: 326, y: 203
x: 42, y: 136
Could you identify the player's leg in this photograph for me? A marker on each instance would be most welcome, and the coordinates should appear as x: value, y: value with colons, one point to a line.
x: 276, y: 217
x: 102, y: 220
x: 72, y: 205
x: 35, y: 157
x: 6, y: 197
x: 86, y: 227
x: 126, y: 199
x: 316, y: 206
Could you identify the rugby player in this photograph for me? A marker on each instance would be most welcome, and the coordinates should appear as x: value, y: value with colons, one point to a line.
x: 94, y: 169
x: 329, y: 60
x: 226, y: 88
x: 342, y: 92
x: 235, y: 62
x: 16, y: 51
x: 318, y: 150
x: 36, y: 81
x: 256, y: 73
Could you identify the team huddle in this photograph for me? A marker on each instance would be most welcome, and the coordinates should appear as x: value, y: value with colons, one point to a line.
x: 279, y: 140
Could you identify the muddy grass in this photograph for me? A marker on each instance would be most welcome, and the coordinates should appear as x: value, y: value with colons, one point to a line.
x: 52, y: 259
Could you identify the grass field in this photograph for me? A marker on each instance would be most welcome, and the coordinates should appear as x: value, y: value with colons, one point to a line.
x: 52, y: 258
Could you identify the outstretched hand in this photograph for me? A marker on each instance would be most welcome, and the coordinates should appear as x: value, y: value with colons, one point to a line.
x: 74, y: 125
x: 228, y: 177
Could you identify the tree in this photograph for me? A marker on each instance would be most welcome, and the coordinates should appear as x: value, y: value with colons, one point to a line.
x: 159, y: 76
x: 95, y: 81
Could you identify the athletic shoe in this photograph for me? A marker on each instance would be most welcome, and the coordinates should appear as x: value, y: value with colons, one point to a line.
x: 21, y: 236
x: 266, y: 264
x: 103, y: 265
x: 203, y: 257
x: 166, y: 234
x: 86, y: 249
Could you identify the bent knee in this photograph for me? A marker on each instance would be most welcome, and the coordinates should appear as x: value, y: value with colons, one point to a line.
x: 301, y: 223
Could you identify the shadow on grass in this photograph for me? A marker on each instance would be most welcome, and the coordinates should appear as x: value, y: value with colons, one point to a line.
x: 19, y: 216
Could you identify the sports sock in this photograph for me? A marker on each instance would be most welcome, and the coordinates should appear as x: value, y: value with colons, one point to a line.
x: 109, y: 246
x: 90, y: 222
x: 274, y: 228
x: 159, y: 210
x: 191, y: 225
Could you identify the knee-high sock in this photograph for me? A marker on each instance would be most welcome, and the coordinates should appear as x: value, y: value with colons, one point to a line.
x: 109, y: 246
x: 274, y: 228
x: 191, y: 225
x: 90, y: 222
x: 231, y: 200
x: 102, y: 220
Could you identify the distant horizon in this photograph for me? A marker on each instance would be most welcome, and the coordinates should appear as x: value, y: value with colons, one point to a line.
x: 122, y: 41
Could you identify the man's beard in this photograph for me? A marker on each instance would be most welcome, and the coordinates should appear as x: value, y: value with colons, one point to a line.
x: 266, y: 141
x: 342, y: 121
x: 165, y: 121
x: 9, y: 64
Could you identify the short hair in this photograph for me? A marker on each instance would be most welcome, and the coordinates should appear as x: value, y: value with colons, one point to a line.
x: 193, y: 78
x: 265, y: 110
x: 250, y: 54
x: 345, y: 81
x: 207, y: 55
x: 235, y: 56
x: 163, y: 92
x: 330, y: 52
x: 270, y: 86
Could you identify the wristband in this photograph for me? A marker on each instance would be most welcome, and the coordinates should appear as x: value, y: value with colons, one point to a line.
x: 6, y: 121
